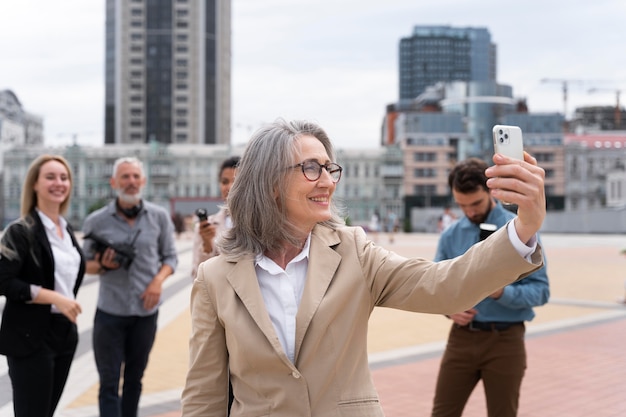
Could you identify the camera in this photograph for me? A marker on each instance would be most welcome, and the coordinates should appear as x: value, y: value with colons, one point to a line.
x: 124, y: 252
x: 502, y: 136
x: 202, y: 214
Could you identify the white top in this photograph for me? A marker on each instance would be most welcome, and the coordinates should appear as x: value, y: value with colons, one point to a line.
x: 282, y: 291
x: 65, y: 255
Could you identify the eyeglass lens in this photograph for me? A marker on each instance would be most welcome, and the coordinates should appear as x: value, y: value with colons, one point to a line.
x: 313, y: 170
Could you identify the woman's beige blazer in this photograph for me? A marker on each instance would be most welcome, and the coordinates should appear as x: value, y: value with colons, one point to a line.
x: 347, y: 277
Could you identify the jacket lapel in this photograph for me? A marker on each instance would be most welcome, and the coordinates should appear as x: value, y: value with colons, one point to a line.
x: 317, y: 281
x: 323, y: 263
x: 243, y: 280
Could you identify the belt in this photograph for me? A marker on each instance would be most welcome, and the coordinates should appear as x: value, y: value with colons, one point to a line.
x: 489, y: 326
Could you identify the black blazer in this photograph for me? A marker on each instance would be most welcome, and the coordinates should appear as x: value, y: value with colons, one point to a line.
x: 24, y: 324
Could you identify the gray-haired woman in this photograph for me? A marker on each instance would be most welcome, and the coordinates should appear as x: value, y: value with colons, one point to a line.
x: 284, y: 309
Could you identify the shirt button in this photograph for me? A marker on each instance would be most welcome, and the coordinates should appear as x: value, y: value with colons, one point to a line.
x: 295, y: 374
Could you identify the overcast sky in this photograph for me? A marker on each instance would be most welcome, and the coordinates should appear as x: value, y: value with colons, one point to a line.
x: 331, y: 61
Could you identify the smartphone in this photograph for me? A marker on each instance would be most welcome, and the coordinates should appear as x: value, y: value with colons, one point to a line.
x: 202, y: 214
x: 507, y: 140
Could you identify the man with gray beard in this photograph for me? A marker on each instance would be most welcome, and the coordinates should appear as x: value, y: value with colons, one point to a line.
x: 130, y: 244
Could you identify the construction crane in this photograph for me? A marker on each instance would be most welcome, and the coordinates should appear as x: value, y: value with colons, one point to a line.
x: 618, y: 110
x: 564, y: 83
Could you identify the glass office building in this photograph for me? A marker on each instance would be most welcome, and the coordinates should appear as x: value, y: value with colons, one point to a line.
x: 443, y: 53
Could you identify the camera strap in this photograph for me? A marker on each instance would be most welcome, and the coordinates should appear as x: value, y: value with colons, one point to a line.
x: 132, y: 212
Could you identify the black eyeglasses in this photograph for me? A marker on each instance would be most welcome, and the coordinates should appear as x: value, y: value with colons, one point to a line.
x: 312, y: 170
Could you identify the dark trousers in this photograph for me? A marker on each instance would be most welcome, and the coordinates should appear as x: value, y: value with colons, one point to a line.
x: 497, y: 357
x: 39, y: 378
x: 121, y: 342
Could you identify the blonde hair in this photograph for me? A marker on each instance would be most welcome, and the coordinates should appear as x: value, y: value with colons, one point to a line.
x: 29, y: 197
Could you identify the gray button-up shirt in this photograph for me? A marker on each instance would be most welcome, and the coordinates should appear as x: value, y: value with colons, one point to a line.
x: 152, y: 237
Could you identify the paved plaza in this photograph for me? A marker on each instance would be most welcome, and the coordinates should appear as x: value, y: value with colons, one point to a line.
x: 576, y: 359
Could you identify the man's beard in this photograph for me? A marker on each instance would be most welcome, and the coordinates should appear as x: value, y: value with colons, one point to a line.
x: 129, y: 198
x: 482, y: 218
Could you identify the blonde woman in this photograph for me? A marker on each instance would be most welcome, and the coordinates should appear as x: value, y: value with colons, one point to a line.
x: 41, y: 269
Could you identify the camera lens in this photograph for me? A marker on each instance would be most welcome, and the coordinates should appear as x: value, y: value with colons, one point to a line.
x: 501, y: 131
x: 506, y: 136
x: 501, y: 139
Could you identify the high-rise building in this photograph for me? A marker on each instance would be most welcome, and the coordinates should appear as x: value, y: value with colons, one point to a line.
x: 443, y: 53
x: 168, y: 66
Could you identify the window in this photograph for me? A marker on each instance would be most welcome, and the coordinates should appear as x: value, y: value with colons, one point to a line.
x: 544, y: 157
x: 424, y: 189
x: 424, y: 172
x: 425, y: 156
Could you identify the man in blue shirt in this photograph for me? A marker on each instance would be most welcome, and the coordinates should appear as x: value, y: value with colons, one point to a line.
x: 487, y: 341
x: 130, y: 243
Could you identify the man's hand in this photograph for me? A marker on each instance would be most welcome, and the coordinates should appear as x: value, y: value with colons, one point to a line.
x: 521, y: 183
x: 152, y: 294
x: 207, y: 234
x: 464, y: 318
x: 107, y: 260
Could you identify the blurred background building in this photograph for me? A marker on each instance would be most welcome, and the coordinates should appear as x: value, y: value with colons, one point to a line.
x: 167, y: 71
x: 168, y: 103
x: 443, y: 53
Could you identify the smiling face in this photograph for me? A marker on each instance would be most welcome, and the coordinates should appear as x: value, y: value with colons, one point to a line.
x: 53, y: 184
x: 308, y: 202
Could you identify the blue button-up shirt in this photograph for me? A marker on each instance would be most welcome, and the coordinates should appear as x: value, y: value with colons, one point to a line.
x: 518, y: 299
x: 152, y: 237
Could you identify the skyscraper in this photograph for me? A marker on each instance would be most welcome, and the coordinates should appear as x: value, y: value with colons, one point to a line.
x: 167, y: 71
x: 443, y: 53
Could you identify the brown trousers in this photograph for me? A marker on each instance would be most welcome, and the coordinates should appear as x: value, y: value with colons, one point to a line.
x: 498, y: 357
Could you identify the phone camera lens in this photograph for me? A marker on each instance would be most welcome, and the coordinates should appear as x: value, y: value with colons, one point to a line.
x: 506, y: 136
x: 501, y: 139
x: 501, y: 131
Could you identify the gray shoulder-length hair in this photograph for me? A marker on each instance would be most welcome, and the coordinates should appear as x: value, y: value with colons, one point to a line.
x: 256, y: 200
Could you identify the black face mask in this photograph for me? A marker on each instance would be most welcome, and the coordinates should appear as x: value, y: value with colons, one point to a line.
x: 132, y: 212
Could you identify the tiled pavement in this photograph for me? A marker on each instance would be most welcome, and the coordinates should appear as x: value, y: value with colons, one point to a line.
x: 576, y: 355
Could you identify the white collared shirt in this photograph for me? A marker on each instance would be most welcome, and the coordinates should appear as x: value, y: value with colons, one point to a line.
x: 282, y: 291
x: 66, y: 257
x: 525, y: 250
